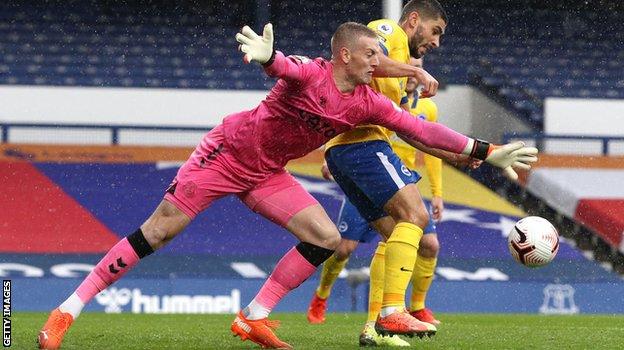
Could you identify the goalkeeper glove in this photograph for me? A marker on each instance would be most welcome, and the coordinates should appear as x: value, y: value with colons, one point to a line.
x: 256, y: 48
x: 506, y: 157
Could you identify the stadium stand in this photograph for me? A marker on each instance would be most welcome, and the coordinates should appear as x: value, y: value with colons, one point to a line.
x: 524, y: 51
x: 190, y: 45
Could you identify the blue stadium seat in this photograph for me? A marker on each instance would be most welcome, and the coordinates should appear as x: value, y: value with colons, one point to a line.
x: 170, y: 45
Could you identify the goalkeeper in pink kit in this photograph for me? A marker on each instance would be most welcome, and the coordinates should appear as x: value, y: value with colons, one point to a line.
x: 313, y: 101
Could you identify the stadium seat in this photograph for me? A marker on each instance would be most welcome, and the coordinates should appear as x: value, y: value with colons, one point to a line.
x: 492, y: 44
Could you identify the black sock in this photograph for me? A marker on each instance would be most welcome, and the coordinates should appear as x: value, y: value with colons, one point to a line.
x: 139, y: 244
x: 314, y: 254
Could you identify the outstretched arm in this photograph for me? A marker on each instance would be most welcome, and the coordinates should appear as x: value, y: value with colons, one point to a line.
x: 454, y: 159
x: 439, y: 136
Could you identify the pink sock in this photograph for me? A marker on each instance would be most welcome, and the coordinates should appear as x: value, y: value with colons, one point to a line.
x: 119, y: 260
x: 289, y: 273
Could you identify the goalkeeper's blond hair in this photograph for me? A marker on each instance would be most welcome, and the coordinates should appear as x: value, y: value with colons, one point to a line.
x: 348, y: 34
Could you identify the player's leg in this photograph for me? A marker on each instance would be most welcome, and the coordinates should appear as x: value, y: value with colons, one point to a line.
x: 329, y: 274
x: 283, y: 200
x: 422, y: 277
x: 407, y: 209
x: 384, y: 227
x: 191, y: 192
x: 390, y: 187
x: 369, y: 336
x: 353, y: 229
x: 371, y: 175
x: 164, y: 224
x: 333, y: 266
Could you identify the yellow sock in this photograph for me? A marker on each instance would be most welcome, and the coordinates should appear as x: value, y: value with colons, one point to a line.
x: 375, y: 292
x: 331, y: 269
x: 422, y: 277
x: 401, y: 252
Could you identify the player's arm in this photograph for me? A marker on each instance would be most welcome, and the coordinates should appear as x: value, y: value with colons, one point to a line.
x: 390, y: 68
x: 260, y: 49
x: 458, y: 160
x: 384, y: 112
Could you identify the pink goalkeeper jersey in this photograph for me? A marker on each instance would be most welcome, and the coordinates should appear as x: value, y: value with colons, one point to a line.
x: 305, y: 109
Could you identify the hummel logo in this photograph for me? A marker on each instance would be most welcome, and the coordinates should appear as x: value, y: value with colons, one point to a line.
x: 242, y: 325
x: 120, y: 264
x: 404, y: 269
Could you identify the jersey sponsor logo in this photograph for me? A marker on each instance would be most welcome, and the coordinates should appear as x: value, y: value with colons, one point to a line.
x: 318, y: 125
x: 385, y: 28
x: 405, y: 170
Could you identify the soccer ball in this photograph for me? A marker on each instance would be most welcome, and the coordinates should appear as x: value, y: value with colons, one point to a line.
x: 533, y: 241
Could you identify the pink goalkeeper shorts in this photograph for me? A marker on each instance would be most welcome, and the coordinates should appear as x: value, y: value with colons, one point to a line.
x: 211, y: 173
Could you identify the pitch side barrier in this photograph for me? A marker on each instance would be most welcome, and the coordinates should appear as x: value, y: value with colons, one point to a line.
x: 101, y: 134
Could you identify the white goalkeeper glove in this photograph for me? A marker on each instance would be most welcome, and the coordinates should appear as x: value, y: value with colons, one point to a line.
x: 510, y: 156
x: 506, y: 157
x: 256, y: 48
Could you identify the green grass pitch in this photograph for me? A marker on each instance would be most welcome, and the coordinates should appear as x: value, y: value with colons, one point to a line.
x: 465, y: 331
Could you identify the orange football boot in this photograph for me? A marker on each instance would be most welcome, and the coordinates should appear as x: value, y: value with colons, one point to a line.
x: 316, y: 311
x: 53, y: 331
x: 402, y: 323
x: 425, y: 315
x: 258, y: 331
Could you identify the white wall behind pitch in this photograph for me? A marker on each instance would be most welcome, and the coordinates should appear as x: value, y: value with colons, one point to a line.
x: 595, y: 117
x: 125, y: 106
x: 467, y: 110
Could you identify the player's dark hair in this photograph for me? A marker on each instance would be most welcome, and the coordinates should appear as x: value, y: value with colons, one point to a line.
x: 348, y: 33
x: 430, y: 9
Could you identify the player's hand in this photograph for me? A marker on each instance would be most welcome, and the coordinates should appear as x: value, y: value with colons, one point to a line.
x: 429, y: 83
x: 510, y: 156
x: 465, y: 161
x: 437, y: 207
x: 474, y: 163
x: 256, y: 48
x: 326, y: 173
